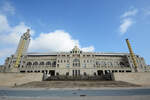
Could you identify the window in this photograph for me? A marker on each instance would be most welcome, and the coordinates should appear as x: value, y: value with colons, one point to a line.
x: 121, y: 63
x: 111, y: 64
x: 84, y: 65
x: 57, y: 65
x: 35, y: 63
x: 87, y: 61
x: 48, y: 63
x: 128, y: 71
x: 57, y: 74
x: 54, y: 64
x: 41, y: 63
x: 29, y: 63
x: 96, y: 62
x: 67, y: 65
x: 84, y: 61
x: 76, y: 62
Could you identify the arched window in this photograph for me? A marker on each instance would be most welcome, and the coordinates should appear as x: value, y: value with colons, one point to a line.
x: 121, y: 63
x: 54, y: 64
x: 41, y: 63
x: 97, y: 62
x: 76, y: 62
x: 48, y: 63
x: 35, y: 63
x: 29, y: 63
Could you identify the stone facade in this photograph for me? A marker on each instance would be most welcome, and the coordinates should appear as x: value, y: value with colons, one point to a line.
x: 73, y: 63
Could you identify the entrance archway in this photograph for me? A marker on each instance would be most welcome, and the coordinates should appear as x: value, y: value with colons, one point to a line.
x: 52, y: 72
x: 99, y: 72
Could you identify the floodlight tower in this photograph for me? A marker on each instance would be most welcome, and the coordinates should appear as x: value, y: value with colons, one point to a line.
x: 132, y: 55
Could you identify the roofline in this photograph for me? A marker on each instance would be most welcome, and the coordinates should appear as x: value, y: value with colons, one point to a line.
x: 57, y: 53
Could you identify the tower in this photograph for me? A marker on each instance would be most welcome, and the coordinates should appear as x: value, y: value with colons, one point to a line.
x: 22, y: 47
x: 132, y: 55
x: 26, y: 39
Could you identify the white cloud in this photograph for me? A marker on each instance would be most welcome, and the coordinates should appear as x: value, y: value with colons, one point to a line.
x: 53, y: 41
x: 125, y: 25
x: 130, y: 13
x: 58, y: 40
x: 127, y: 20
x: 6, y: 52
x: 88, y: 49
x: 4, y: 27
x: 11, y: 35
x: 7, y: 8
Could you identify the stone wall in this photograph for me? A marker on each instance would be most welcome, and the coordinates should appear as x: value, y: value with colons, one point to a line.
x: 10, y: 79
x: 140, y: 78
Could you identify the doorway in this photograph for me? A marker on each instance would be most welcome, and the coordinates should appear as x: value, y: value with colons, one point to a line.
x: 99, y: 72
x: 52, y: 72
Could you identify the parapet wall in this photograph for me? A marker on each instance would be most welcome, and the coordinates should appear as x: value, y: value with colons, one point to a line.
x: 139, y: 78
x: 10, y: 79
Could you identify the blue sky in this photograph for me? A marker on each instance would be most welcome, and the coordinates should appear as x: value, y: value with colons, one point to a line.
x: 93, y: 25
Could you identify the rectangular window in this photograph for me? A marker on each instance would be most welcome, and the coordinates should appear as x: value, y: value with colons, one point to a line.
x: 78, y: 72
x: 67, y: 65
x: 84, y: 65
x: 73, y: 72
x: 57, y: 65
